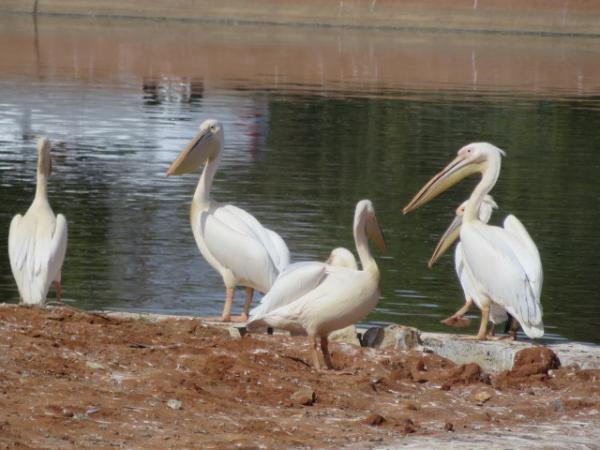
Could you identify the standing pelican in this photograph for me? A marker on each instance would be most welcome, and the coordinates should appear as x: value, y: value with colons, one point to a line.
x: 472, y: 295
x: 232, y: 241
x: 336, y: 297
x: 299, y: 278
x: 37, y: 241
x: 504, y: 263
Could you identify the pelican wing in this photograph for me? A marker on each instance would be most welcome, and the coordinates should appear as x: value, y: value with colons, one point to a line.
x: 239, y: 248
x: 36, y: 247
x: 57, y: 248
x: 291, y: 284
x: 501, y: 270
x: 533, y: 262
x: 247, y: 224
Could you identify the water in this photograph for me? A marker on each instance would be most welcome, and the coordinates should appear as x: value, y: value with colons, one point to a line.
x: 315, y: 120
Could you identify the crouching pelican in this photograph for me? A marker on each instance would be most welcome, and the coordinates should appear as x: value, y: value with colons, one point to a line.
x: 335, y: 297
x: 232, y: 241
x: 504, y: 262
x: 469, y: 287
x: 37, y: 241
x: 299, y: 278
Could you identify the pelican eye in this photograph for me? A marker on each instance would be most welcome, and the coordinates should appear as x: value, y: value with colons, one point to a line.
x: 213, y: 128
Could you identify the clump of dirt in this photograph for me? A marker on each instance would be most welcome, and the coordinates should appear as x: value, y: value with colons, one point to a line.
x: 71, y: 379
x: 530, y: 364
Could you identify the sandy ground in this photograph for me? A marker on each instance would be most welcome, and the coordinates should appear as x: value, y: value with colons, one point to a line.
x: 71, y: 380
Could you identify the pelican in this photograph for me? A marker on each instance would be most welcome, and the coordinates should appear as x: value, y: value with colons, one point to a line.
x: 504, y: 263
x: 299, y: 278
x: 335, y: 297
x: 37, y: 241
x: 472, y: 295
x: 231, y: 240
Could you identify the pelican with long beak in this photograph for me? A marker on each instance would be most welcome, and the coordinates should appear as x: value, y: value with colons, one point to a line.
x: 37, y: 241
x: 335, y: 298
x: 504, y: 263
x: 232, y: 241
x: 472, y: 295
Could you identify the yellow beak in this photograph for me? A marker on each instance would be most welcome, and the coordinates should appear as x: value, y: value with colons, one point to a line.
x: 450, y: 235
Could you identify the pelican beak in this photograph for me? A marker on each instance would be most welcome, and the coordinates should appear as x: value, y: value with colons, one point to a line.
x: 461, y: 167
x: 450, y: 235
x: 202, y: 148
x: 375, y: 232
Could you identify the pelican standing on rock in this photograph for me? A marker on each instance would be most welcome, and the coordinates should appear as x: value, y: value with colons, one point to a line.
x: 336, y: 298
x: 37, y: 241
x: 232, y: 241
x: 503, y: 262
x: 469, y: 287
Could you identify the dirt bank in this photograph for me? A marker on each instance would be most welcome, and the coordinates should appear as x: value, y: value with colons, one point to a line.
x: 76, y: 380
x: 533, y: 16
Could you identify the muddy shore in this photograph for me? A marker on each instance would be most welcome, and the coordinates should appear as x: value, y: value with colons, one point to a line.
x: 72, y: 379
x: 535, y: 16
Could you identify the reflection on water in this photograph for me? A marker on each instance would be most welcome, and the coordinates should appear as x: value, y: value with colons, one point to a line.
x: 297, y: 156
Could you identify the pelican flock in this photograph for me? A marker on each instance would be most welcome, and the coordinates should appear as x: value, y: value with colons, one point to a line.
x: 231, y: 240
x: 499, y: 268
x: 322, y: 298
x: 37, y: 241
x: 504, y: 263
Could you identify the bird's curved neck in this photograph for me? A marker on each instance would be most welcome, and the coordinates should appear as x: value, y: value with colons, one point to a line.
x: 362, y: 248
x: 488, y: 180
x: 202, y: 193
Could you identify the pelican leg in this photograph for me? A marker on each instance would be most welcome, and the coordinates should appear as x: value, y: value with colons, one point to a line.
x: 326, y: 354
x: 58, y: 289
x: 457, y: 319
x: 485, y: 317
x: 226, y: 316
x: 244, y: 316
x: 315, y: 352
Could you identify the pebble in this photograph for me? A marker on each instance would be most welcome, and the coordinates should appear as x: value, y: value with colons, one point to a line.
x: 174, y: 404
x: 374, y: 419
x: 305, y: 397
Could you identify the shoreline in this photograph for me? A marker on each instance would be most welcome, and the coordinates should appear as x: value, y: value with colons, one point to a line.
x: 555, y: 17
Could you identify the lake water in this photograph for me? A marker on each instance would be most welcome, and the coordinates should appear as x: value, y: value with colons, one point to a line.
x: 315, y: 120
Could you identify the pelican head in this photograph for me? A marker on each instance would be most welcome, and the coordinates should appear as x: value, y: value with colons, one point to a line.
x: 473, y: 158
x: 364, y: 216
x: 453, y: 231
x: 206, y: 146
x: 44, y: 163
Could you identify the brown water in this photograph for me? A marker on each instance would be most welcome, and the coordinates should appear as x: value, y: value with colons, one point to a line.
x: 315, y: 120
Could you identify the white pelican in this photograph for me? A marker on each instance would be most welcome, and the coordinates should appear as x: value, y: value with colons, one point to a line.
x: 37, y: 241
x: 232, y: 241
x: 299, y: 278
x: 336, y: 297
x: 472, y: 295
x: 504, y: 262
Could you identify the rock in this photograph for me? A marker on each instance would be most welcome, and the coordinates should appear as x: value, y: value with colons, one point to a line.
x: 94, y: 365
x: 304, y: 397
x: 396, y: 336
x: 346, y: 335
x: 236, y: 332
x: 174, y: 404
x: 534, y: 360
x: 482, y: 396
x: 491, y: 356
x: 374, y: 419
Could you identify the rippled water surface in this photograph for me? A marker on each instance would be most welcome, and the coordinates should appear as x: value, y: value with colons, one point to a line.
x: 315, y: 120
